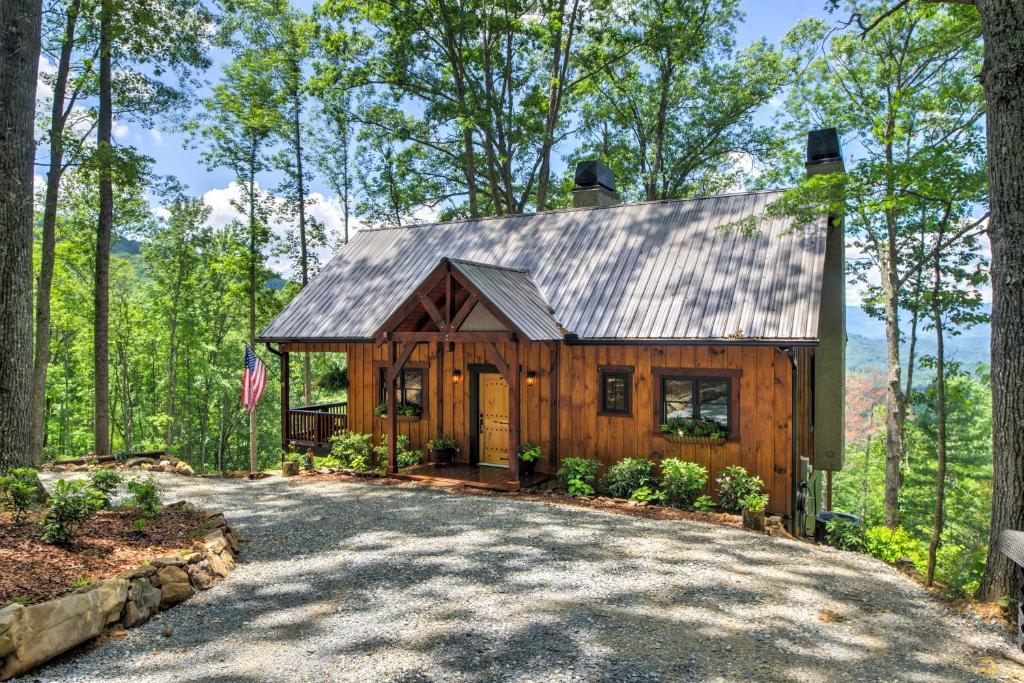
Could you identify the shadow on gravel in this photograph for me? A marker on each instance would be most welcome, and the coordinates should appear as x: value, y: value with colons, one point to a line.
x: 345, y: 581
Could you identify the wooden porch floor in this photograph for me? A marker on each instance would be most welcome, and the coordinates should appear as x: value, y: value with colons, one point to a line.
x: 459, y: 474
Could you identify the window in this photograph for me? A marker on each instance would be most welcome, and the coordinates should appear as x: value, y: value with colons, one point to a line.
x: 708, y: 398
x: 409, y: 383
x: 616, y: 387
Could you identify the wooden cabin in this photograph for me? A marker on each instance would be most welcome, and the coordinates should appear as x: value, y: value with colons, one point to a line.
x: 583, y: 330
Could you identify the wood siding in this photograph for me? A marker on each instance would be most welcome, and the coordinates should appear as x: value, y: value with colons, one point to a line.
x: 764, y: 414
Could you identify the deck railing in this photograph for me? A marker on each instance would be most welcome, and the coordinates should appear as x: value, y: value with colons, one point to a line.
x: 315, y: 425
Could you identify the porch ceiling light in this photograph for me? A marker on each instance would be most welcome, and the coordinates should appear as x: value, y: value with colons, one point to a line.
x: 531, y: 378
x: 456, y: 376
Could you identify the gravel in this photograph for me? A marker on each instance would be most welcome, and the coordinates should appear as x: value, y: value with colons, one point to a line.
x: 342, y: 582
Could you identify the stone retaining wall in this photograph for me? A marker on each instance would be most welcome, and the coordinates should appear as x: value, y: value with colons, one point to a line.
x: 30, y: 636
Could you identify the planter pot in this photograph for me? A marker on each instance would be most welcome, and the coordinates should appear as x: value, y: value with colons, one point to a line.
x: 527, y: 468
x: 444, y: 457
x: 753, y: 520
x: 689, y: 438
x: 290, y: 468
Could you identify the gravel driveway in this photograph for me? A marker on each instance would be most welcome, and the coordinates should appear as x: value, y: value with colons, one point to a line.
x: 373, y: 583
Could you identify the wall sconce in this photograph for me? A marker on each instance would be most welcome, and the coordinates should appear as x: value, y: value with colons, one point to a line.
x: 531, y: 378
x: 456, y: 376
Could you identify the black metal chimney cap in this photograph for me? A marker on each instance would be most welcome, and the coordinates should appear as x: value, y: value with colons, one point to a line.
x: 823, y: 145
x: 592, y: 173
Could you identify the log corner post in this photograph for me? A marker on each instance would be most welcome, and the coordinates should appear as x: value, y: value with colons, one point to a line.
x: 514, y: 370
x: 391, y: 411
x: 285, y: 406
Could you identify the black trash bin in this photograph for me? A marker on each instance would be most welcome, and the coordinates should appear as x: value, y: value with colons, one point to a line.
x: 823, y: 518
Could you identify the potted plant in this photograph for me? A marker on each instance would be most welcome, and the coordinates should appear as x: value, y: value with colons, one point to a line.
x: 443, y: 450
x: 694, y: 430
x: 405, y: 412
x: 529, y: 454
x: 753, y: 510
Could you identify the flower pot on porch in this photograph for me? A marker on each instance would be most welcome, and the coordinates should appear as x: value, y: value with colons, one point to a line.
x: 443, y: 457
x: 753, y: 520
x: 526, y: 468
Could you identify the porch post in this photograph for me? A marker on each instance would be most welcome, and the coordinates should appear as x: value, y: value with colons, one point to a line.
x: 285, y: 387
x: 392, y: 416
x: 513, y: 419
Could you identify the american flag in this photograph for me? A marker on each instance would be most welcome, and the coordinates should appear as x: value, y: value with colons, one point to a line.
x: 254, y: 380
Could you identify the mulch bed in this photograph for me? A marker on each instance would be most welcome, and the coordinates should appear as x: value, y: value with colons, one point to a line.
x: 105, y: 545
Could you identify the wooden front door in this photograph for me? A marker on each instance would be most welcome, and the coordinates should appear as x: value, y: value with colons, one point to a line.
x: 493, y: 419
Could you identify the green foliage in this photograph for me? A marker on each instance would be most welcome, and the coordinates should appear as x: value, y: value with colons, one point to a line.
x: 889, y: 545
x: 106, y: 482
x: 646, y: 494
x: 335, y: 378
x: 144, y: 496
x: 734, y: 484
x: 71, y: 503
x: 405, y: 456
x: 19, y: 492
x: 529, y: 452
x: 682, y: 481
x: 403, y: 409
x: 579, y: 488
x: 845, y: 534
x: 81, y: 583
x: 353, y: 450
x: 140, y: 524
x: 443, y: 443
x: 754, y: 502
x: 583, y: 470
x: 628, y: 475
x: 691, y: 426
x: 705, y: 504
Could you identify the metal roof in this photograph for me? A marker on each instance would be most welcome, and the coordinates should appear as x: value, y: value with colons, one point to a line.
x: 665, y: 270
x: 516, y: 295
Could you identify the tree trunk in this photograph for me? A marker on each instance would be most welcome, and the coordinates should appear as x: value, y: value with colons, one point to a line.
x: 1003, y: 30
x: 47, y: 255
x: 300, y: 187
x: 894, y: 407
x: 104, y: 228
x: 940, y: 432
x: 19, y: 65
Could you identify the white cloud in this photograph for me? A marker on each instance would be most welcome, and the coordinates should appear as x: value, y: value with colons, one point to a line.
x: 120, y: 130
x: 156, y: 135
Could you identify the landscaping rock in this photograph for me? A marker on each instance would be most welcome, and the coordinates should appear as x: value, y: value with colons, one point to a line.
x: 215, y: 541
x: 216, y: 519
x: 175, y: 586
x: 135, y: 462
x: 202, y: 575
x: 143, y: 602
x: 185, y: 469
x: 10, y: 627
x: 41, y: 632
x: 142, y: 571
x: 217, y: 565
x: 232, y: 539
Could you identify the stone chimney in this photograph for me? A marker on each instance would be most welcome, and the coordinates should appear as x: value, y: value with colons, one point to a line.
x: 595, y: 185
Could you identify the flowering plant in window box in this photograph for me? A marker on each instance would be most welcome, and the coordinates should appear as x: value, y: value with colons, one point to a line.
x: 405, y: 412
x: 694, y: 430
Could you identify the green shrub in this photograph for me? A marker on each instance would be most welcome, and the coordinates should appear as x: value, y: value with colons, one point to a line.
x: 627, y: 475
x: 705, y: 504
x: 106, y: 482
x: 890, y: 545
x: 529, y: 452
x: 335, y: 378
x: 20, y: 492
x: 734, y: 484
x: 139, y: 524
x: 71, y: 503
x: 960, y: 568
x: 646, y: 494
x: 583, y: 470
x: 144, y: 496
x: 580, y: 488
x: 405, y: 456
x: 682, y: 481
x: 694, y: 426
x: 351, y: 448
x: 845, y: 534
x: 754, y: 502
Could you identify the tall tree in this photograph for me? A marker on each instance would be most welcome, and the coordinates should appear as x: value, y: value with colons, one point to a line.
x: 20, y: 22
x: 104, y: 230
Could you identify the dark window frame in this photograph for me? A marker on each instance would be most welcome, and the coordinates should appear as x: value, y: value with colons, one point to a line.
x: 732, y: 376
x: 379, y: 380
x: 625, y: 372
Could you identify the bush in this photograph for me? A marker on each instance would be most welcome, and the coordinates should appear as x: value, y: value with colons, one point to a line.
x: 734, y: 484
x: 890, y: 545
x: 755, y: 502
x: 845, y: 534
x: 20, y: 492
x: 580, y: 488
x: 106, y: 482
x: 682, y: 481
x: 144, y: 496
x: 405, y: 457
x: 626, y: 476
x: 961, y: 568
x: 353, y: 450
x: 71, y: 503
x: 705, y: 504
x: 646, y: 494
x: 335, y: 379
x: 583, y: 470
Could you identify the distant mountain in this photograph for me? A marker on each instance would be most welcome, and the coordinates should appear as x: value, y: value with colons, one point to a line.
x: 126, y: 246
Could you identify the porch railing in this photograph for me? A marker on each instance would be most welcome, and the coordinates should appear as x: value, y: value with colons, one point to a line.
x: 315, y: 425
